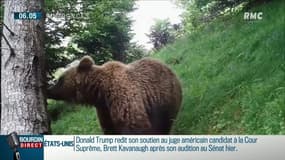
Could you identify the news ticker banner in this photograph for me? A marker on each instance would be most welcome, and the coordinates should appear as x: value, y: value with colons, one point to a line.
x: 182, y: 147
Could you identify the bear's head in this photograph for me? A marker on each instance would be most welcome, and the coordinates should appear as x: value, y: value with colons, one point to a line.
x: 68, y: 86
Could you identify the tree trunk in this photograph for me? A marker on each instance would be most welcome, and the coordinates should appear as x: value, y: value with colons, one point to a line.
x: 1, y: 25
x: 22, y: 84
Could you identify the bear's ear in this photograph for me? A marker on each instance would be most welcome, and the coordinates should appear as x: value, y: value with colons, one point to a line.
x: 85, y: 63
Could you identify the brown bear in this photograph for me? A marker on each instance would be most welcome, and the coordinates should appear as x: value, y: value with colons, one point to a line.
x: 142, y: 97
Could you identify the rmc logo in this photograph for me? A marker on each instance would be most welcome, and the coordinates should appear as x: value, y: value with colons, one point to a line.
x: 252, y: 15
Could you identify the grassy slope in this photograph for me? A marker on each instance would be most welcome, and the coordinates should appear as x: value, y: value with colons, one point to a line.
x: 233, y: 76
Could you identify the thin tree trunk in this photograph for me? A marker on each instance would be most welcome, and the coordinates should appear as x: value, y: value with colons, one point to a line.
x: 23, y: 102
x: 1, y: 26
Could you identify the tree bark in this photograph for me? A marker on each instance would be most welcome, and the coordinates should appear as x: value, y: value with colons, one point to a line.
x: 22, y: 84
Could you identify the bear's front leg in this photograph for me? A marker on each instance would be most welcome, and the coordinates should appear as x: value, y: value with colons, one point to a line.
x: 130, y: 119
x: 105, y: 121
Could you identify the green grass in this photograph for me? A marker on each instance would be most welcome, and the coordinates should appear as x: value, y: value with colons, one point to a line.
x: 233, y: 77
x: 73, y: 119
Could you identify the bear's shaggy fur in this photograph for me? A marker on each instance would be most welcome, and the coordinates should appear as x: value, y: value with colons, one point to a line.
x: 142, y: 97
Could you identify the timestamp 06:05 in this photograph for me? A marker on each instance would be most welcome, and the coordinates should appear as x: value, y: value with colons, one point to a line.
x: 27, y: 15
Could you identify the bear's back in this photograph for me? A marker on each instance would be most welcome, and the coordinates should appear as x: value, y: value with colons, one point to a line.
x: 150, y: 77
x: 160, y: 90
x: 156, y: 81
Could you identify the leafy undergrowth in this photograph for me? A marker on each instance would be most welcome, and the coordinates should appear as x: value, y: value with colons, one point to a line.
x: 233, y: 77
